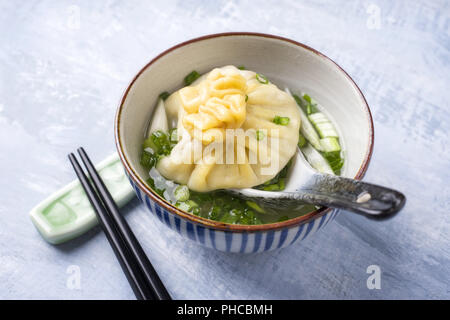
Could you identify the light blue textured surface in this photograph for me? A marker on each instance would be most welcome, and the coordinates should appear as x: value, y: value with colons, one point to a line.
x: 64, y: 66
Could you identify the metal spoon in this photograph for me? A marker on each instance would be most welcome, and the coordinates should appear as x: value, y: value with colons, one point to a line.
x: 306, y: 185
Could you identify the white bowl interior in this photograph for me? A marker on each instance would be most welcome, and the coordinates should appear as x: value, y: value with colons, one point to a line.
x: 284, y: 63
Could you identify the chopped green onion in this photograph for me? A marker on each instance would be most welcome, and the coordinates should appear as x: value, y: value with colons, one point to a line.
x: 181, y: 193
x: 214, y: 214
x: 301, y: 140
x: 173, y: 134
x: 283, y: 218
x: 282, y: 121
x: 246, y: 98
x: 311, y: 109
x: 231, y: 216
x: 260, y: 135
x: 308, y: 105
x: 307, y: 98
x: 262, y: 78
x: 299, y: 101
x: 192, y: 203
x: 191, y: 77
x: 154, y: 148
x: 164, y: 95
x: 161, y: 142
x: 278, y: 182
x: 272, y: 187
x: 247, y: 218
x: 186, y: 205
x: 335, y: 161
x: 148, y: 143
x: 241, y: 68
x: 307, y: 128
x: 196, y: 211
x: 312, y: 105
x: 183, y: 206
x: 282, y: 183
x: 255, y: 206
x: 151, y: 183
x: 147, y: 159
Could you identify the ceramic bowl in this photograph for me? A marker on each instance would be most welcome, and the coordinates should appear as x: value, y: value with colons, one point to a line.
x: 286, y: 63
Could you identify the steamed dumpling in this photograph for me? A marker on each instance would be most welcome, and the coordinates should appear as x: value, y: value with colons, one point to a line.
x: 227, y: 134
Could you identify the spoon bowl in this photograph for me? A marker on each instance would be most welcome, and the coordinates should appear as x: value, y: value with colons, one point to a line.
x: 306, y: 185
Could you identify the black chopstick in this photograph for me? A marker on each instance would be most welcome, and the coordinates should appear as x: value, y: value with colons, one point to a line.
x: 141, y: 275
x: 122, y: 253
x: 149, y: 272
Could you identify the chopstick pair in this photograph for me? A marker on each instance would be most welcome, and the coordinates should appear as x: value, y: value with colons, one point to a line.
x: 141, y: 275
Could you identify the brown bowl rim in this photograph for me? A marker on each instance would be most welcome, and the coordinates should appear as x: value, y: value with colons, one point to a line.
x: 220, y: 225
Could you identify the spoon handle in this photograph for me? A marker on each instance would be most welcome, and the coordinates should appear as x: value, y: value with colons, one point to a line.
x: 364, y: 198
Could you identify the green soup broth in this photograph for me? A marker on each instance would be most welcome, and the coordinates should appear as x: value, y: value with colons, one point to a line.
x: 219, y: 205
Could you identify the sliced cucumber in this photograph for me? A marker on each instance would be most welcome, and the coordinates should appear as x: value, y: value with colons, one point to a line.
x: 330, y: 144
x: 318, y: 117
x: 323, y: 125
x: 316, y: 160
x: 307, y: 129
x: 311, y: 106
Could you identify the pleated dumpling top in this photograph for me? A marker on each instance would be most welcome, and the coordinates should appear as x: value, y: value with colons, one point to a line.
x: 235, y: 130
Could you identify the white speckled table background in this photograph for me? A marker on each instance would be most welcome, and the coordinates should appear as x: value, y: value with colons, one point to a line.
x: 64, y: 66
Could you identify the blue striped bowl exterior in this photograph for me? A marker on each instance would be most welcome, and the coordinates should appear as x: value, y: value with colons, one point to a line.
x: 239, y: 242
